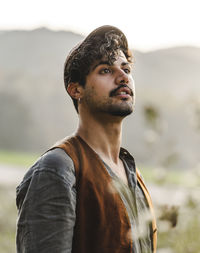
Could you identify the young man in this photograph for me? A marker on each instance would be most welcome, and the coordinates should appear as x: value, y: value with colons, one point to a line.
x: 85, y: 194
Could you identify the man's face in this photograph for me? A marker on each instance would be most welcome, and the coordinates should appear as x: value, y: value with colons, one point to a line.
x: 110, y: 88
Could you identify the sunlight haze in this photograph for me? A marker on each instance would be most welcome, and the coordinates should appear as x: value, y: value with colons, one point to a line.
x: 148, y: 24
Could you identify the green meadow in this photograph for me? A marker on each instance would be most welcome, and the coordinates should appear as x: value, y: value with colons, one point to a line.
x: 178, y: 225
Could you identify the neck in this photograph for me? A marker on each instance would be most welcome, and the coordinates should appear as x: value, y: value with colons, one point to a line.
x: 103, y: 135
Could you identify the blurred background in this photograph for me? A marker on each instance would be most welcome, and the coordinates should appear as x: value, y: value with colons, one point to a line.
x: 163, y: 133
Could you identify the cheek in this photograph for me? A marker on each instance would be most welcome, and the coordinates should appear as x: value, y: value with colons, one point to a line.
x: 100, y: 86
x: 89, y: 87
x: 132, y: 84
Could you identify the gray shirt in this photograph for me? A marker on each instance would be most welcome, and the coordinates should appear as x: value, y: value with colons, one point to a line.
x: 46, y: 202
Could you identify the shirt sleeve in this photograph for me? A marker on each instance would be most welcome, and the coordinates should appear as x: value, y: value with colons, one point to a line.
x: 46, y: 200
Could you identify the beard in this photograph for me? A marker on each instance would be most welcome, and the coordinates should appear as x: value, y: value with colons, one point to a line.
x: 121, y: 110
x: 108, y: 105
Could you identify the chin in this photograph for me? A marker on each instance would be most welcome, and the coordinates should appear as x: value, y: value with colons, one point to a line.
x: 121, y: 110
x: 121, y: 113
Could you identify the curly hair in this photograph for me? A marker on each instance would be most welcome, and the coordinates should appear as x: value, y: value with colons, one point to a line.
x: 104, y: 42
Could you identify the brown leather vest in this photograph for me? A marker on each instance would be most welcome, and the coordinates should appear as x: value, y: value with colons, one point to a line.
x: 102, y: 223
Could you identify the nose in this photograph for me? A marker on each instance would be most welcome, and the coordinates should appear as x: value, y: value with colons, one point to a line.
x: 122, y: 78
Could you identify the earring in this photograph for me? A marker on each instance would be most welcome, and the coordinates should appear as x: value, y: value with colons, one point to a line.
x: 79, y: 100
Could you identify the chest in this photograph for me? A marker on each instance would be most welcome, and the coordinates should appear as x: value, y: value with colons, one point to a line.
x: 118, y: 169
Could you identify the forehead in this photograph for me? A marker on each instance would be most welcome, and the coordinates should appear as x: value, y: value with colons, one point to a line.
x: 120, y: 59
x: 120, y: 56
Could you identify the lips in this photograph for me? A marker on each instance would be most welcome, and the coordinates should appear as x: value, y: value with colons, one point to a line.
x: 122, y: 90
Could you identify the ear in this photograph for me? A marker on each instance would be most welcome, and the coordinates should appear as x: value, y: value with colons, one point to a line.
x: 75, y: 90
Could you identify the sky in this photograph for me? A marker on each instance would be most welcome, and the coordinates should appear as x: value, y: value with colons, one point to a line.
x: 148, y: 24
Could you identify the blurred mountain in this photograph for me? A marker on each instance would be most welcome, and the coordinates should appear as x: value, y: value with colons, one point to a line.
x: 36, y: 111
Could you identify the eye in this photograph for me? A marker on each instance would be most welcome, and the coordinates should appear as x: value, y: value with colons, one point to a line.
x: 127, y: 70
x: 105, y: 71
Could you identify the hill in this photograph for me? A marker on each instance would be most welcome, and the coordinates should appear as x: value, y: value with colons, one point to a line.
x: 35, y: 110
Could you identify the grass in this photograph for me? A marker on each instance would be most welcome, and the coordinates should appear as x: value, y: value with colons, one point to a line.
x: 157, y: 176
x: 186, y: 178
x: 8, y: 216
x: 183, y: 238
x: 17, y: 158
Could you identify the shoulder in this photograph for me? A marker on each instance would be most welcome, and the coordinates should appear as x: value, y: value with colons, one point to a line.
x: 53, y: 170
x: 55, y: 161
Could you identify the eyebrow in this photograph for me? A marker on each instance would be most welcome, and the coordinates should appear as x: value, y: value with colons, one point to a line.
x: 125, y: 63
x: 101, y: 63
x: 107, y: 63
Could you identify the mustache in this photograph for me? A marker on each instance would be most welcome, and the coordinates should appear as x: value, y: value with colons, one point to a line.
x: 113, y: 92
